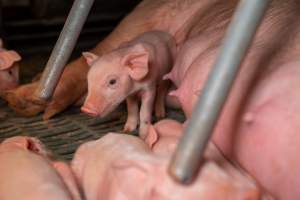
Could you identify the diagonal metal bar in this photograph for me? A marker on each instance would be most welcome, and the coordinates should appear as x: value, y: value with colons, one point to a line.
x: 63, y: 48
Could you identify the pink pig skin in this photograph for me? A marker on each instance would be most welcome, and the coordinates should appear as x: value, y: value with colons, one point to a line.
x: 122, y: 167
x: 9, y: 68
x: 186, y: 56
x: 132, y: 71
x: 26, y: 173
x: 258, y: 127
x: 162, y: 137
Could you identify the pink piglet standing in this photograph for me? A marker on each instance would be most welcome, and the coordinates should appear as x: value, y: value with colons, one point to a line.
x: 133, y: 72
x: 9, y: 69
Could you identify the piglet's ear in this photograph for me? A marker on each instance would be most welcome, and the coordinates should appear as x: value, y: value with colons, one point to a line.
x: 68, y: 177
x: 151, y: 137
x: 27, y: 143
x: 18, y: 141
x: 137, y: 62
x: 8, y: 58
x: 90, y: 57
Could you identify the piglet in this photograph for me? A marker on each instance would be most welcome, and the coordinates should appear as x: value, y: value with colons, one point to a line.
x: 133, y: 71
x: 122, y: 167
x: 9, y: 68
x: 27, y: 173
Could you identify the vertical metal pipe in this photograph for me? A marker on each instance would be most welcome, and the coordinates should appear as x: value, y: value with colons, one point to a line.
x: 63, y: 48
x: 187, y: 158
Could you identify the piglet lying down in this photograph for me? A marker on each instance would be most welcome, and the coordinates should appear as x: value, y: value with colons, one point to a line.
x: 27, y: 173
x: 123, y: 167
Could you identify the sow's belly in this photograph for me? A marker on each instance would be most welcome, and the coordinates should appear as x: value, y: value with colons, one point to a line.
x: 265, y: 140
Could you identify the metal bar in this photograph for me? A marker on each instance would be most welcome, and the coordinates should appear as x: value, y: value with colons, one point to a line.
x: 187, y: 158
x: 63, y: 48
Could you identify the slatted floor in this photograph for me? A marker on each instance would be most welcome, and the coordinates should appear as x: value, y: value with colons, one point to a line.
x: 65, y: 132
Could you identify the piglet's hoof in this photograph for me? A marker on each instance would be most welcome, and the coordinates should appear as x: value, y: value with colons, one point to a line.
x: 129, y: 127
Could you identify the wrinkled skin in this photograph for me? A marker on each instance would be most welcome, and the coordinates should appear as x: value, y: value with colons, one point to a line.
x: 9, y: 68
x: 258, y: 127
x: 120, y: 166
x: 148, y: 15
x: 133, y: 71
x: 27, y: 173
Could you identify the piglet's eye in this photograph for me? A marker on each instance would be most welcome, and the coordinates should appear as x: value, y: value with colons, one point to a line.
x: 112, y: 81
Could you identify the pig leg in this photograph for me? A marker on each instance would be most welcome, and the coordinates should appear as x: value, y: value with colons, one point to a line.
x: 146, y: 111
x: 52, y: 109
x: 69, y: 179
x: 133, y: 113
x: 162, y: 91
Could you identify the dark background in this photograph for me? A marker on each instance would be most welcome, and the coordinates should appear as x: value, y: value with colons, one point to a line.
x: 31, y: 27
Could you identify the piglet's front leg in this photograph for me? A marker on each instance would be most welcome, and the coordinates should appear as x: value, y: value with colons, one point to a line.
x: 147, y: 100
x: 133, y: 114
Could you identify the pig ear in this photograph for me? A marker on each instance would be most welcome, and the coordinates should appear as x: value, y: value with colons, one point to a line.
x: 20, y: 141
x: 151, y: 137
x: 8, y: 58
x: 67, y: 175
x: 27, y: 143
x: 136, y: 62
x: 90, y: 57
x: 37, y: 146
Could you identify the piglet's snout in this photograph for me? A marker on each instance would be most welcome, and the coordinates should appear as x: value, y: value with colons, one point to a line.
x: 89, y: 109
x: 93, y: 106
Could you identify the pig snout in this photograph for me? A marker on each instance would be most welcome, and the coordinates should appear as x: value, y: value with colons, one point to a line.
x: 89, y: 109
x: 94, y: 109
x: 92, y: 105
x: 96, y: 106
